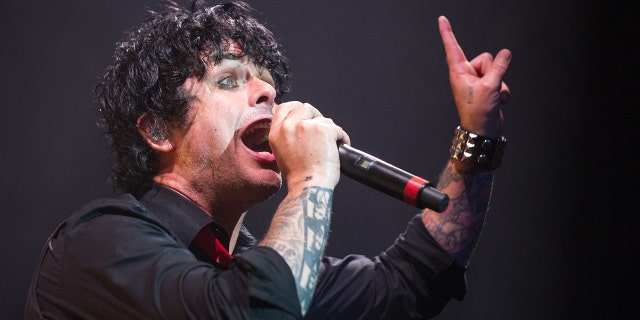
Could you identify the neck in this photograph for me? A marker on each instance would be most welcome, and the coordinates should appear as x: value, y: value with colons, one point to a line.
x: 227, y: 217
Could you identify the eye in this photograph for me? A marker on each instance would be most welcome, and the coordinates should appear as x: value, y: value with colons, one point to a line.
x: 228, y: 82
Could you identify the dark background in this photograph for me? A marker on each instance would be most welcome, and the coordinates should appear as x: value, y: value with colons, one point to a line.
x: 560, y: 232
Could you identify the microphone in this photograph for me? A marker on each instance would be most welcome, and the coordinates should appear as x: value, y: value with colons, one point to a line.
x: 391, y: 180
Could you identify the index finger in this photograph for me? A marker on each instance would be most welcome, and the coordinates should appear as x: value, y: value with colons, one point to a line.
x: 452, y: 49
x: 294, y: 110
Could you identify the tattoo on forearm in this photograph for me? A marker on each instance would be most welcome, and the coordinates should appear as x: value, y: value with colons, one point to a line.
x: 303, y: 226
x: 448, y: 177
x: 460, y: 228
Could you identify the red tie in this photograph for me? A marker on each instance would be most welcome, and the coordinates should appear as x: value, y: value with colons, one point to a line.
x: 209, y: 243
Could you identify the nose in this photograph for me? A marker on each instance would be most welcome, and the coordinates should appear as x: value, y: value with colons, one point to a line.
x: 262, y: 93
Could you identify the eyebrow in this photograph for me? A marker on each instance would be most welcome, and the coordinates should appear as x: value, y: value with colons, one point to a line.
x: 231, y: 62
x: 236, y: 63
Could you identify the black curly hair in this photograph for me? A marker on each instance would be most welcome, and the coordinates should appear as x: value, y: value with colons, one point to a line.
x: 153, y: 61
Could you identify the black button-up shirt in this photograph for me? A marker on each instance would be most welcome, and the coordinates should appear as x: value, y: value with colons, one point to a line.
x: 128, y: 258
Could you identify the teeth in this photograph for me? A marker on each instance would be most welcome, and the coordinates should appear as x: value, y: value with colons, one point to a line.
x: 262, y: 125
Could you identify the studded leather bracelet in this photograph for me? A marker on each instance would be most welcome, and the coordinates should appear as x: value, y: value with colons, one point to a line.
x: 478, y: 152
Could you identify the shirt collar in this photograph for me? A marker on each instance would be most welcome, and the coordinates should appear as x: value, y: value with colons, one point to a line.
x: 183, y: 216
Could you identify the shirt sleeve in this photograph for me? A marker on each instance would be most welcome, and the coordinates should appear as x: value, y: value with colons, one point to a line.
x: 121, y: 265
x: 414, y: 278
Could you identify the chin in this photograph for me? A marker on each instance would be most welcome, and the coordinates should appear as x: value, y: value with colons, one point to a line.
x: 268, y: 185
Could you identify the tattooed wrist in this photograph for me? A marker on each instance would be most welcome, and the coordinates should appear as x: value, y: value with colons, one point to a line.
x: 299, y: 233
x: 458, y: 228
x: 317, y: 212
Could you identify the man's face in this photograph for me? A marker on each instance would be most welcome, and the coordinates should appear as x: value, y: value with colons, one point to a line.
x: 223, y: 152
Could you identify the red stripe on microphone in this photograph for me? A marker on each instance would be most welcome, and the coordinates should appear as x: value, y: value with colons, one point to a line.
x: 412, y: 188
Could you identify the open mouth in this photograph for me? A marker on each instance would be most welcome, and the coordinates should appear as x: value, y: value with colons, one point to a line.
x: 256, y: 137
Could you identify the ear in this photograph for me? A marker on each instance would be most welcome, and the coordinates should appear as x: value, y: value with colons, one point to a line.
x: 146, y: 124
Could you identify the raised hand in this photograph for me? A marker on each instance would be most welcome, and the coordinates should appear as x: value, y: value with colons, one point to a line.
x: 477, y: 85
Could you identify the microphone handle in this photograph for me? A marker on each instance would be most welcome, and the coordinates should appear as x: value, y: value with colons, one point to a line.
x: 391, y: 180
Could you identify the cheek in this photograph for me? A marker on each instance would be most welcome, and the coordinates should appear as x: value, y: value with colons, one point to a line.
x: 215, y: 124
x: 210, y: 142
x: 216, y: 135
